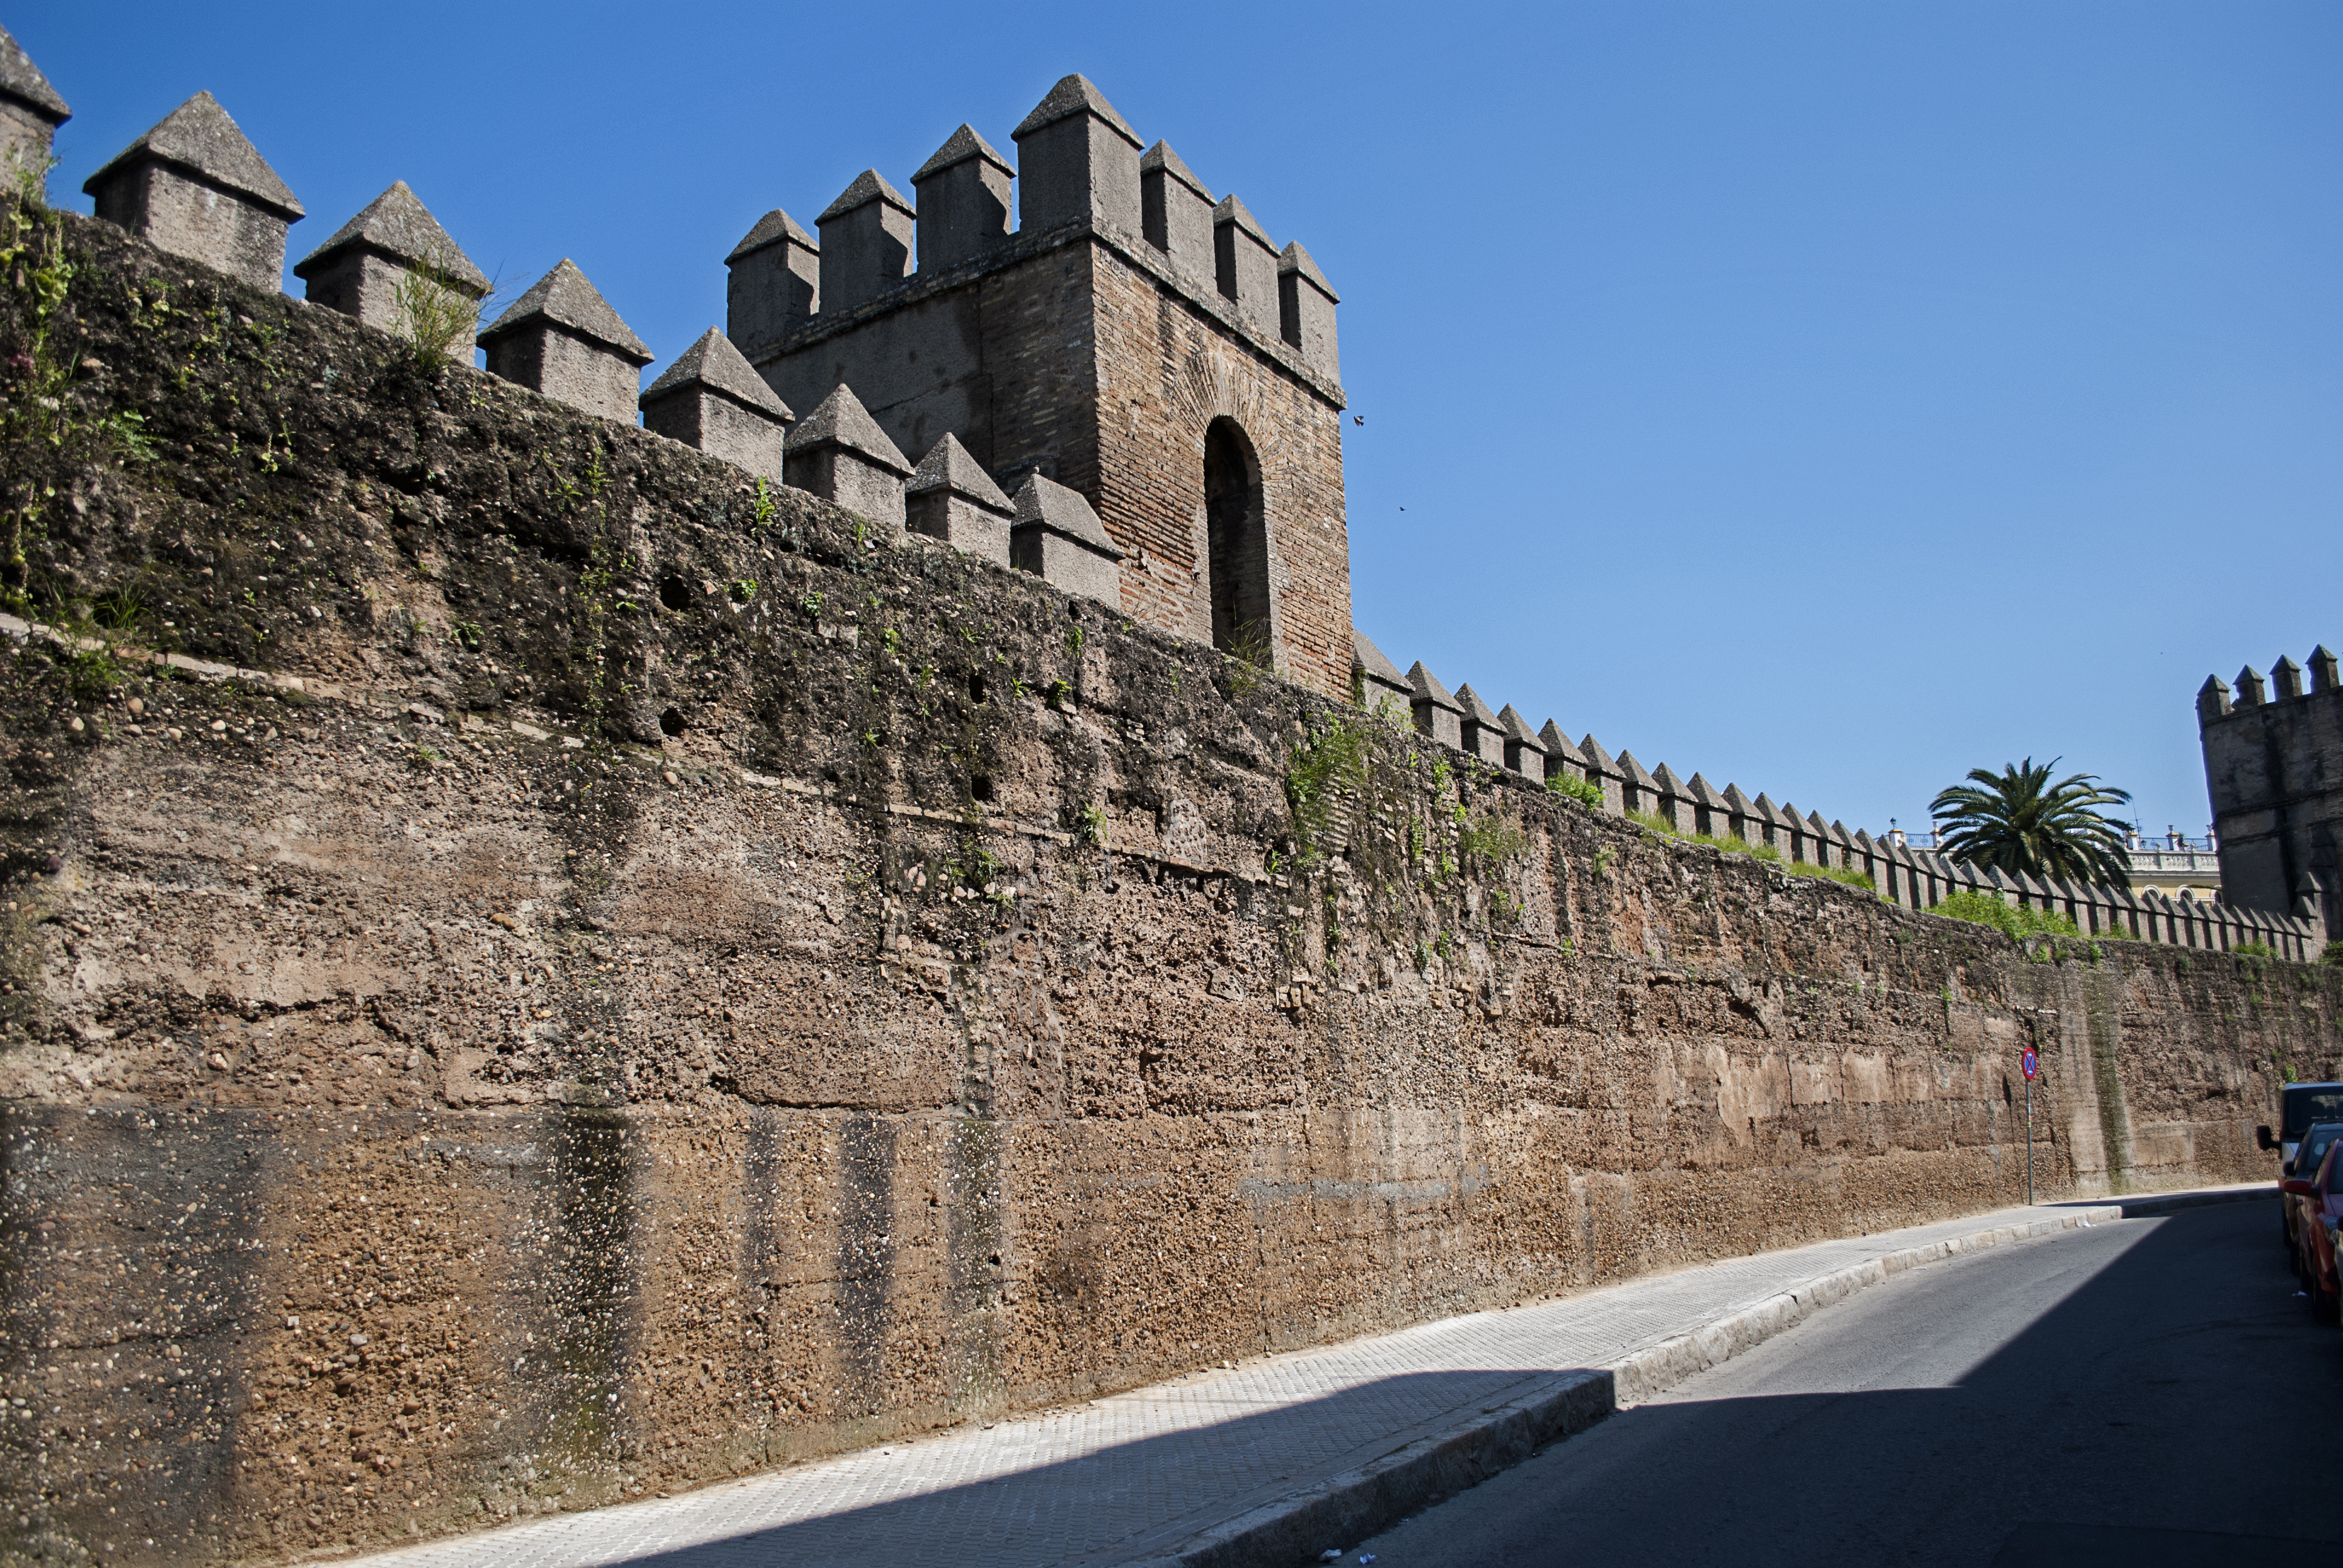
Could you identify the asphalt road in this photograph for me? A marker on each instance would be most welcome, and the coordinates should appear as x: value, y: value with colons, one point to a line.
x: 2143, y: 1392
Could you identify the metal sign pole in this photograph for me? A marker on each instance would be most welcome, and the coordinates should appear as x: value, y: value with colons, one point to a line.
x: 2030, y: 1065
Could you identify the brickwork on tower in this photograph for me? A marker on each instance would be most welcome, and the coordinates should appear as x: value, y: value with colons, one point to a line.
x: 1080, y: 349
x: 1164, y: 375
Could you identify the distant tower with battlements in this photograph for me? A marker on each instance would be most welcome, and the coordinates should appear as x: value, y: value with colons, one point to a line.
x: 1130, y: 339
x: 2274, y: 768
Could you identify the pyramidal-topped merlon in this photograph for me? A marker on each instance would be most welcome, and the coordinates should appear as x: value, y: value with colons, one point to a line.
x: 866, y: 243
x: 1476, y: 709
x: 1305, y: 309
x: 949, y: 468
x: 1524, y: 752
x: 1175, y: 212
x: 712, y: 362
x: 1439, y: 717
x: 711, y: 399
x: 1079, y: 162
x: 1378, y: 677
x: 30, y: 109
x: 1043, y: 503
x: 1480, y: 730
x: 774, y: 228
x: 772, y: 283
x: 1244, y: 265
x: 839, y: 453
x: 566, y: 298
x: 562, y: 338
x: 1161, y: 159
x: 168, y: 188
x: 1073, y: 95
x: 1559, y: 747
x: 840, y: 420
x: 951, y: 497
x: 359, y: 271
x: 199, y: 138
x: 868, y: 186
x: 959, y: 147
x: 1057, y: 536
x: 964, y: 201
x: 397, y: 226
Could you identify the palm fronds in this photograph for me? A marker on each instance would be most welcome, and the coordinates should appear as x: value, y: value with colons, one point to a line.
x: 2019, y: 820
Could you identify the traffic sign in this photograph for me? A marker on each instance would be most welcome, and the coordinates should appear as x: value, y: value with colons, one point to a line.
x: 2029, y: 1064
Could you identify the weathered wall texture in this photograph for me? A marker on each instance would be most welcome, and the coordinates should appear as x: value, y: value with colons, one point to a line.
x: 682, y: 985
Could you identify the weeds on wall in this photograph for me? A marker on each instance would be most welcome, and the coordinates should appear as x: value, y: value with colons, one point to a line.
x: 1250, y: 644
x: 597, y: 599
x: 1984, y: 910
x: 432, y: 312
x: 1383, y: 858
x: 1328, y: 766
x: 1573, y: 786
x: 1847, y: 875
x: 1769, y: 854
x: 45, y: 424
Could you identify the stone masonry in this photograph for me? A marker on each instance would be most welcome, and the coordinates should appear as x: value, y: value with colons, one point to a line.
x: 2274, y: 770
x: 535, y: 968
x: 1095, y: 345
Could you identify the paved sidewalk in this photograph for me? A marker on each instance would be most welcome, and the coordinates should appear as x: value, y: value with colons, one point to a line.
x: 1145, y: 1474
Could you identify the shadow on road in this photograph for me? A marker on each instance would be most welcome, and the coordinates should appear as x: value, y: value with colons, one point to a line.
x: 2147, y: 1415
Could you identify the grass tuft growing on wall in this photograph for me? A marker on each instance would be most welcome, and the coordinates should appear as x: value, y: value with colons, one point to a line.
x: 1984, y: 910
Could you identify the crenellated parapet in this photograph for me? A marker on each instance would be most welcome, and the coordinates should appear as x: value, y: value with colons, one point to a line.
x: 1133, y: 337
x: 2274, y: 774
x: 1805, y: 840
x: 1210, y: 506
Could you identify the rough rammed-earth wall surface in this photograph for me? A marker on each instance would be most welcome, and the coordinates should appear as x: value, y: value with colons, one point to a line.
x: 685, y: 982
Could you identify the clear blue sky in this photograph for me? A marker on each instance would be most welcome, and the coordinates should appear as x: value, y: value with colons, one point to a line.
x: 1829, y: 398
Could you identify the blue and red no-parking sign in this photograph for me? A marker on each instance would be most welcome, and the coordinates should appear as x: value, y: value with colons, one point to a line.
x: 2028, y: 1063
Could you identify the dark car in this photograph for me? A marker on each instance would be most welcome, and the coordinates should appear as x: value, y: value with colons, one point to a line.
x: 2317, y: 1201
x: 2301, y: 1105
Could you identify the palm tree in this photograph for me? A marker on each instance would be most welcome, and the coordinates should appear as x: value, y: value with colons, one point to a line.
x: 2020, y: 821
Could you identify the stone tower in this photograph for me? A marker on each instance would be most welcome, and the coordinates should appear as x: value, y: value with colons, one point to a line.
x: 2274, y: 769
x: 1128, y: 338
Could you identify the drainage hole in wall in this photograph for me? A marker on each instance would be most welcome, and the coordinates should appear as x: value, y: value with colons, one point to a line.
x: 671, y: 724
x: 674, y: 593
x: 976, y: 688
x: 980, y: 788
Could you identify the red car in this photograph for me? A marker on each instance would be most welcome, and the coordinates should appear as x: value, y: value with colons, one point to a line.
x: 2317, y: 1199
x: 2304, y: 1151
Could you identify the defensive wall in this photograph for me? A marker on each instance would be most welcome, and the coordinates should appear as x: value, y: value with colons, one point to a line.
x: 1914, y: 879
x: 539, y: 967
x: 1133, y: 394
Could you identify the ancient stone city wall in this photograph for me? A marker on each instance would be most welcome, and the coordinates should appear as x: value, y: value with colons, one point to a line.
x: 659, y: 977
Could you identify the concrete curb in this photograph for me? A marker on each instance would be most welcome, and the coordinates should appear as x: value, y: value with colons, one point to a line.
x: 1357, y: 1503
x: 2152, y: 1204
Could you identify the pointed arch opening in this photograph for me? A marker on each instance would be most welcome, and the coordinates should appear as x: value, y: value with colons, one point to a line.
x: 1239, y: 528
